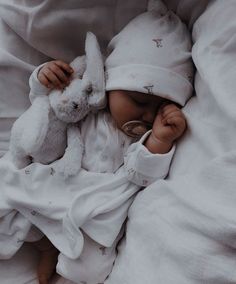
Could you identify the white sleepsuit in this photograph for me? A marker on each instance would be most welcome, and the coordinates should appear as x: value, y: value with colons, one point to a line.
x: 106, y: 150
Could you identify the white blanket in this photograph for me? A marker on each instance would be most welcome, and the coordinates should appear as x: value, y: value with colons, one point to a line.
x: 183, y: 230
x: 95, y: 202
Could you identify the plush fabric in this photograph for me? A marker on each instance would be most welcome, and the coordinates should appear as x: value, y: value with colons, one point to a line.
x: 48, y: 130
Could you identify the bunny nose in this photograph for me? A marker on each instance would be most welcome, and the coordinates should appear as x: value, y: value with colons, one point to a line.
x: 64, y: 101
x: 75, y: 105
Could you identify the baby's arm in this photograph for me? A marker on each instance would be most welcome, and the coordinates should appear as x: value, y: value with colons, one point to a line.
x: 149, y: 159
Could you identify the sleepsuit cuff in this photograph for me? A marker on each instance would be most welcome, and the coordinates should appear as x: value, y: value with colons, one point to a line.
x: 36, y: 88
x: 143, y: 167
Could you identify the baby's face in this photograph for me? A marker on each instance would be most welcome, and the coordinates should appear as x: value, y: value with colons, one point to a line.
x: 128, y: 106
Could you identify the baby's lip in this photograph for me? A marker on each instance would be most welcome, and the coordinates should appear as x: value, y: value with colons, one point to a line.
x: 136, y: 128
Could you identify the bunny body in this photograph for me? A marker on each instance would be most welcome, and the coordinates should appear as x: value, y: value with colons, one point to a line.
x: 48, y: 130
x: 40, y: 149
x: 55, y: 142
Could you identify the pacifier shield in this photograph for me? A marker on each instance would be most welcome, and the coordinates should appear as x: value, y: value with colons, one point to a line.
x: 136, y: 128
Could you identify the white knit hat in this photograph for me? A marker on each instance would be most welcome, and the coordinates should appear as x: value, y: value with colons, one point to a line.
x: 152, y: 55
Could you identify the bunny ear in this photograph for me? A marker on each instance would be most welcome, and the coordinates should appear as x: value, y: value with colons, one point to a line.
x: 79, y: 66
x: 94, y: 74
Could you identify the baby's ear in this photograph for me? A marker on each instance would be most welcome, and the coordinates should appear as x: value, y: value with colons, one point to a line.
x: 79, y: 66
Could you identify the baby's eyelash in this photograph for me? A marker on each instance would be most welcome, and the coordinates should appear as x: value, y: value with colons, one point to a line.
x: 139, y: 102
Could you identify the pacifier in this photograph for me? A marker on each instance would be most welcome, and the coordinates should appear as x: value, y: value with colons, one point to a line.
x: 136, y: 128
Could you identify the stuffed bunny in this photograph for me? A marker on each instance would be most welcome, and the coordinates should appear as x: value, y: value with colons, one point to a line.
x: 48, y: 130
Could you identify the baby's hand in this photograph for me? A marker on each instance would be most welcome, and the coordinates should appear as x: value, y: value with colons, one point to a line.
x: 55, y: 74
x: 169, y: 125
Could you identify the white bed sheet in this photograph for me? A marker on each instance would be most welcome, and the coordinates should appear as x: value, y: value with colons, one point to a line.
x: 183, y: 230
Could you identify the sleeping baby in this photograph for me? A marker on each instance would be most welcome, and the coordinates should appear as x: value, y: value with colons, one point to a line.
x: 148, y: 79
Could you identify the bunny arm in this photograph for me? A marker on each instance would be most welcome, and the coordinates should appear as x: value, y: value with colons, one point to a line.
x: 70, y: 163
x: 29, y: 131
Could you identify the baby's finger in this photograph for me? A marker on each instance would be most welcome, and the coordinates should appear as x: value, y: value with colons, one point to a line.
x: 172, y: 114
x: 169, y: 108
x: 64, y: 78
x: 43, y: 80
x: 52, y: 78
x: 65, y: 66
x: 177, y: 122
